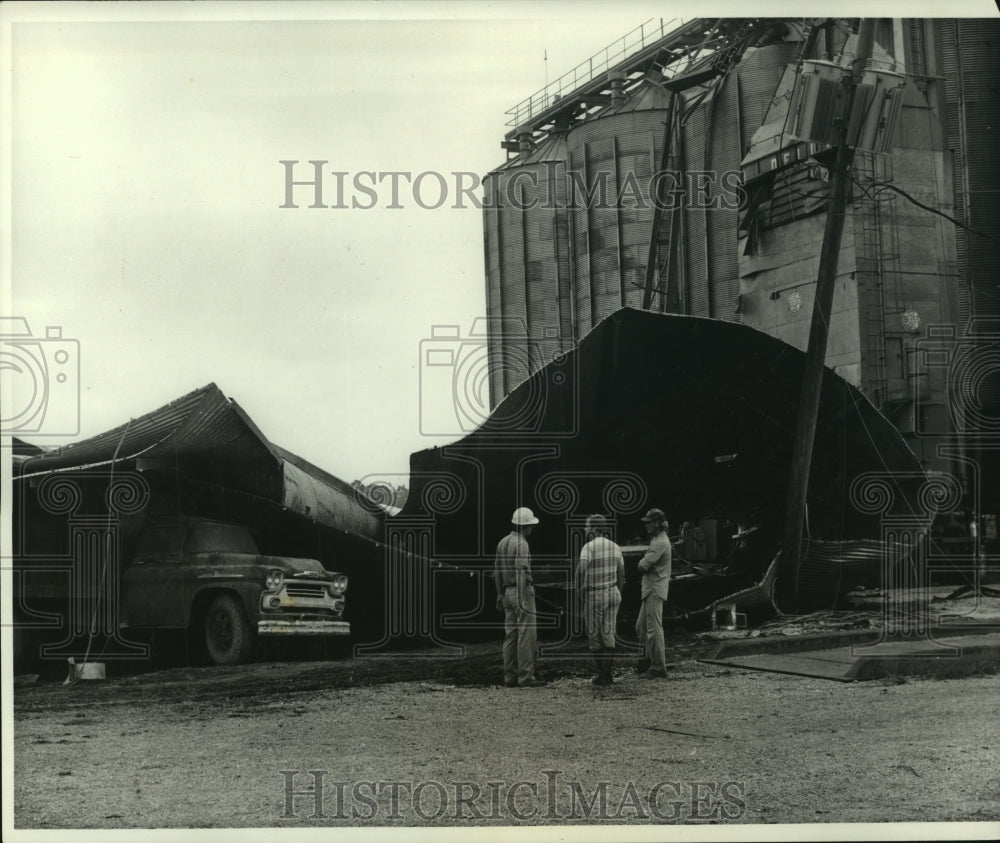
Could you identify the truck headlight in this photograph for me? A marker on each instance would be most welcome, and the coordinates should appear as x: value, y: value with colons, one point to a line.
x: 274, y: 579
x: 339, y: 585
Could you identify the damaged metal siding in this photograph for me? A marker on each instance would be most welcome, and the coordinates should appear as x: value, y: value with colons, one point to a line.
x: 319, y: 501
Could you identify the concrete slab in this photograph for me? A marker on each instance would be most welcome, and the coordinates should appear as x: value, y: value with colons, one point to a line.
x: 955, y: 655
x: 797, y: 664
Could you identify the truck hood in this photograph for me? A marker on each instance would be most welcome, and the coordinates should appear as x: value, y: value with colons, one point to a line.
x: 290, y: 566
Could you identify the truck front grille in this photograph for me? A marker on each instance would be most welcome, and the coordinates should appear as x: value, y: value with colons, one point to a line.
x: 299, y: 589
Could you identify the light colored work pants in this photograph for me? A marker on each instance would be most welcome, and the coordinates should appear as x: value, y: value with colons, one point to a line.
x: 649, y: 629
x: 601, y: 616
x: 520, y: 638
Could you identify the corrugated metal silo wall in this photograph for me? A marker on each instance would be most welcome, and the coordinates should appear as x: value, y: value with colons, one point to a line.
x: 543, y: 265
x: 562, y: 249
x: 970, y: 54
x: 723, y: 217
x: 950, y: 65
x: 612, y: 244
x: 695, y: 219
x: 581, y: 239
x: 494, y: 290
x: 513, y: 263
x: 971, y: 65
x: 601, y: 234
x: 527, y: 272
x: 979, y: 46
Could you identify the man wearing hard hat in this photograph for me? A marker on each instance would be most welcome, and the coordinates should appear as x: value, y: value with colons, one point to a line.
x: 600, y: 576
x: 655, y: 570
x: 516, y: 596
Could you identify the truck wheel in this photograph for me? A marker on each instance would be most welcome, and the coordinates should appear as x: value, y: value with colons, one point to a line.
x: 228, y: 635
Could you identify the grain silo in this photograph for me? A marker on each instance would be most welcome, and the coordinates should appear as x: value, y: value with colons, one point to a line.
x: 613, y: 155
x: 575, y: 234
x: 527, y: 251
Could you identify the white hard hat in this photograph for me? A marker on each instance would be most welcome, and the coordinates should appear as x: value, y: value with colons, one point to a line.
x: 523, y: 517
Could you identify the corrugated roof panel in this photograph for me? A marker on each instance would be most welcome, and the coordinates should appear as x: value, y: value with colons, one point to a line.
x: 203, y: 429
x: 144, y: 433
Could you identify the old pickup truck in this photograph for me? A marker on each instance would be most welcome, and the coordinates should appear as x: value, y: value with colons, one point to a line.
x: 209, y: 577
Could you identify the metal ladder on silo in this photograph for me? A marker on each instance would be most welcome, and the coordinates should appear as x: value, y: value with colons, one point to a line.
x: 871, y: 266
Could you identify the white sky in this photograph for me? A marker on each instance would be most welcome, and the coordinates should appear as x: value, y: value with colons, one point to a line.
x: 146, y: 187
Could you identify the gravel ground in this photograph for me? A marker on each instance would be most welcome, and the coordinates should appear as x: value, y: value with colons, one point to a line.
x: 206, y: 747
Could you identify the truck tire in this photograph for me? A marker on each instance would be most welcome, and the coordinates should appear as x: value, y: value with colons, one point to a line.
x: 228, y: 636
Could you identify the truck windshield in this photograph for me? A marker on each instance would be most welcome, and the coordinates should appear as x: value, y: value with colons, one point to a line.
x: 206, y: 537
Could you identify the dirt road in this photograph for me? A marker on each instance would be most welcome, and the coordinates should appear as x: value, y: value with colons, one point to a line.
x: 235, y: 747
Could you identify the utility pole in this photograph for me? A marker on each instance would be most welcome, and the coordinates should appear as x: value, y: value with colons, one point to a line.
x: 812, y: 376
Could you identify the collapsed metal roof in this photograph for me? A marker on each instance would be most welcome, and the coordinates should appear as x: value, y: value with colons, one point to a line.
x: 208, y: 436
x: 692, y: 415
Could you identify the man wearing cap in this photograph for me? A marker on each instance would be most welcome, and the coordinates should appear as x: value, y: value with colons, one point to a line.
x: 655, y: 570
x: 600, y: 576
x: 516, y: 596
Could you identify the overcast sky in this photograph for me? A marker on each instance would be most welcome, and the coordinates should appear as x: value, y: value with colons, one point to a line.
x: 146, y: 193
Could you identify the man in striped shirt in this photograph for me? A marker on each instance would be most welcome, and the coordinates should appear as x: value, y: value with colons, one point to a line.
x: 599, y: 577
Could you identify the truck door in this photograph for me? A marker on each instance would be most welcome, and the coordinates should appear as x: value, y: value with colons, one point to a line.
x: 152, y: 582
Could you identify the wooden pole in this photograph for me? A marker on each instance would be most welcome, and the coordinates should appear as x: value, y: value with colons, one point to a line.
x: 812, y: 376
x: 652, y: 267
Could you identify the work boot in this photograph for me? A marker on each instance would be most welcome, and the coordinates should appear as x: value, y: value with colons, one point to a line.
x: 595, y: 665
x: 609, y: 664
x: 603, y: 660
x: 643, y: 666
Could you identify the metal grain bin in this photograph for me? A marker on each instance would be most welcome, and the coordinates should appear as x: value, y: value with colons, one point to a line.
x: 619, y: 148
x: 696, y: 245
x: 527, y: 252
x: 723, y: 217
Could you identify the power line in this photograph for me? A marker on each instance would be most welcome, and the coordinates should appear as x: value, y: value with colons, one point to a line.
x: 880, y: 186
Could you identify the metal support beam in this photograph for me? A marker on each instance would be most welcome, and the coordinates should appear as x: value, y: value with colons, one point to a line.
x: 812, y: 377
x: 652, y: 270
